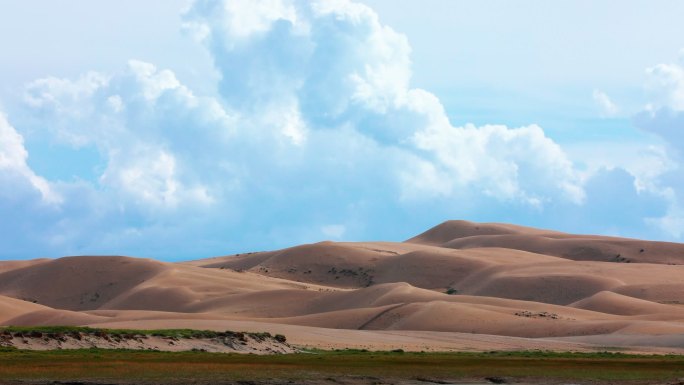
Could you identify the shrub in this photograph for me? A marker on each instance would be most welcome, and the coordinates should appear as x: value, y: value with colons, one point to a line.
x: 451, y: 291
x: 280, y: 338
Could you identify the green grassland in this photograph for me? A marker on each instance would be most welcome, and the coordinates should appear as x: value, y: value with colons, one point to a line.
x: 202, y: 367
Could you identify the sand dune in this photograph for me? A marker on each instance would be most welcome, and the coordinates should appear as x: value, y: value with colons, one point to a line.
x: 614, y: 303
x: 11, y: 265
x: 77, y: 283
x: 11, y: 308
x: 459, y: 278
x: 89, y: 283
x: 49, y: 317
x: 492, y: 272
x: 467, y: 235
x: 327, y: 338
x: 451, y: 230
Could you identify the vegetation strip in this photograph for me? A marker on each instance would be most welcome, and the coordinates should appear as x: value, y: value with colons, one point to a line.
x: 169, y: 333
x: 94, y: 364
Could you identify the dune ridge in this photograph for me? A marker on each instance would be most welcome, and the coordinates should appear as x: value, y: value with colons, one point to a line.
x: 457, y: 279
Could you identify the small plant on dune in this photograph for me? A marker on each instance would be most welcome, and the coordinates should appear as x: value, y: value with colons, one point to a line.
x: 280, y: 338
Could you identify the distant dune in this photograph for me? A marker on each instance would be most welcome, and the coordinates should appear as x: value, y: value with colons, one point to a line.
x: 457, y: 286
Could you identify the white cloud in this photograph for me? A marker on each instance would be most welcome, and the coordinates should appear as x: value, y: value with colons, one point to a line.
x: 66, y: 98
x: 14, y: 171
x: 516, y: 164
x: 672, y: 223
x: 349, y: 69
x: 142, y: 120
x: 664, y: 116
x: 151, y: 177
x: 241, y: 19
x: 603, y: 101
x: 153, y: 82
x: 334, y: 231
x: 666, y: 82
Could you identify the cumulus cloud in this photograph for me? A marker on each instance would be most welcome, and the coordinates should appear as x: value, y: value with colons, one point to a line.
x: 672, y: 223
x: 29, y: 203
x: 316, y: 131
x: 605, y: 104
x: 15, y: 174
x: 142, y: 121
x: 664, y: 117
x: 664, y: 114
x: 336, y: 65
x: 515, y: 164
x: 666, y: 83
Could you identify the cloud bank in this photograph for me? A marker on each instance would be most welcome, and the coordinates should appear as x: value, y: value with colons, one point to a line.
x: 315, y: 133
x: 664, y: 117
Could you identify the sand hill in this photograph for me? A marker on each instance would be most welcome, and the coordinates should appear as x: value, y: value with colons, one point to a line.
x: 457, y: 286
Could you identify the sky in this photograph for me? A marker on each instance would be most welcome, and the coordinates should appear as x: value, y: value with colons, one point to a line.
x: 182, y: 129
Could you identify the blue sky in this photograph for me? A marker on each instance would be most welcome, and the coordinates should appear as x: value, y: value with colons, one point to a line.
x: 184, y: 129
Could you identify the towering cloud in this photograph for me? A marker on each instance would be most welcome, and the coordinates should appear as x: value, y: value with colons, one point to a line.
x: 332, y: 65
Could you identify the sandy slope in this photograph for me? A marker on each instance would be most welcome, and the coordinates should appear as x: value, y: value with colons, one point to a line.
x: 12, y: 308
x: 11, y: 265
x: 466, y: 235
x: 505, y: 283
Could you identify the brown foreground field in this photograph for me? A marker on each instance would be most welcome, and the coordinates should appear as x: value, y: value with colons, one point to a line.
x: 334, y: 367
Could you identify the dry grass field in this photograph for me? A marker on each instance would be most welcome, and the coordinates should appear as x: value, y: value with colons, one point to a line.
x: 128, y: 367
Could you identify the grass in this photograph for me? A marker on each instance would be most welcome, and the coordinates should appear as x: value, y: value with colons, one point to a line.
x: 166, y: 367
x: 200, y: 366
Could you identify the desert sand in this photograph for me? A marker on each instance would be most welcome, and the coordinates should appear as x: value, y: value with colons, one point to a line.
x: 458, y: 286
